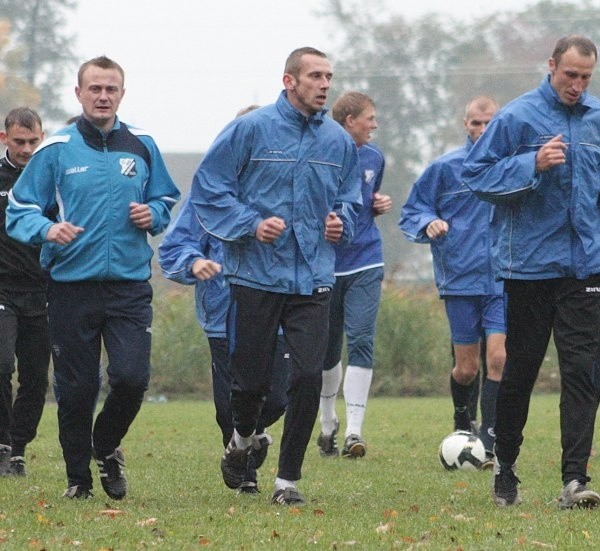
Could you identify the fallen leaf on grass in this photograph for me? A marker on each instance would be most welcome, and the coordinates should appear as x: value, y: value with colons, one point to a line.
x: 112, y: 513
x: 586, y: 534
x: 294, y: 511
x: 148, y: 522
x: 204, y: 541
x: 388, y: 527
x: 319, y: 512
x: 43, y: 520
x: 462, y: 517
x: 274, y: 534
x: 542, y: 545
x: 391, y: 513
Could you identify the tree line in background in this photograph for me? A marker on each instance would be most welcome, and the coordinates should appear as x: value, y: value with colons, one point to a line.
x: 420, y: 73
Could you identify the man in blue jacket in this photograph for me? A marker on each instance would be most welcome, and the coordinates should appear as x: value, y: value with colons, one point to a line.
x: 278, y: 187
x: 539, y: 163
x: 442, y: 211
x: 191, y: 256
x: 90, y: 195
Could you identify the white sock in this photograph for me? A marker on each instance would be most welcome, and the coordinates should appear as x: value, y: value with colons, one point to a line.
x: 242, y: 442
x: 329, y: 390
x: 357, y: 383
x: 282, y: 483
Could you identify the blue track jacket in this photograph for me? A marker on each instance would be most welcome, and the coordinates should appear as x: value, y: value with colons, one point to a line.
x: 462, y: 262
x: 275, y: 161
x: 185, y: 242
x: 80, y: 176
x: 549, y: 222
x: 366, y: 250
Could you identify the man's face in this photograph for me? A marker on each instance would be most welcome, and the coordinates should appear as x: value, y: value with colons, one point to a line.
x: 21, y: 142
x: 360, y: 127
x: 571, y: 75
x: 100, y: 94
x: 477, y: 120
x: 308, y: 92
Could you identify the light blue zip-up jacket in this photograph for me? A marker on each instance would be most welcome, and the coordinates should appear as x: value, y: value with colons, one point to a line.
x: 89, y: 179
x: 549, y: 222
x: 275, y: 161
x: 462, y: 262
x: 185, y: 242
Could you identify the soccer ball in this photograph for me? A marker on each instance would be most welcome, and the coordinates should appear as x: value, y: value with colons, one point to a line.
x: 461, y: 450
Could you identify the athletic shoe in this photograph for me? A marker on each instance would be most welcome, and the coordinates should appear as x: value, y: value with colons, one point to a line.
x: 17, y: 466
x: 234, y: 465
x: 248, y: 487
x: 488, y: 463
x: 505, y: 491
x: 260, y: 447
x: 354, y: 446
x: 112, y: 475
x: 78, y: 492
x: 287, y: 496
x: 328, y: 444
x: 5, y: 452
x: 575, y: 494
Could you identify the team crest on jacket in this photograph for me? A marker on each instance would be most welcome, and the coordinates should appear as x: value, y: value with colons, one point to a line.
x: 369, y: 175
x: 128, y: 167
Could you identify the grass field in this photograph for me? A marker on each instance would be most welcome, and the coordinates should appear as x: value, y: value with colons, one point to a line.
x: 397, y: 497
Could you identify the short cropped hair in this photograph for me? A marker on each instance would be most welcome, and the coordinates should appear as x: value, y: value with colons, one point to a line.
x: 294, y: 60
x: 350, y: 103
x: 483, y: 103
x: 23, y: 116
x: 104, y: 63
x: 583, y: 45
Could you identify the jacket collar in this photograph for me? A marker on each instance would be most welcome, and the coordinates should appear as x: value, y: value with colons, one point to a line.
x: 9, y: 164
x: 552, y: 97
x: 290, y: 112
x: 92, y: 135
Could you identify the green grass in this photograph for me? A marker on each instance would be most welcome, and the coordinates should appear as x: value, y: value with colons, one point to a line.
x: 397, y: 497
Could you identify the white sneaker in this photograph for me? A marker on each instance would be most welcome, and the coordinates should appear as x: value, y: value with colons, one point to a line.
x: 575, y: 494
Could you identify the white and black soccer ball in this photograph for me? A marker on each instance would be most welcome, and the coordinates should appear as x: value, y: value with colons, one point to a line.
x: 461, y: 450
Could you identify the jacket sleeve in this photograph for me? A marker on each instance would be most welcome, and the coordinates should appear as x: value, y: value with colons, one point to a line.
x: 420, y: 208
x: 161, y: 193
x: 32, y: 198
x: 349, y: 199
x: 215, y: 187
x: 500, y: 168
x: 182, y: 246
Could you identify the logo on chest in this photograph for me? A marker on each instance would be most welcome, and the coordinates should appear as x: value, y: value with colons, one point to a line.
x: 128, y: 167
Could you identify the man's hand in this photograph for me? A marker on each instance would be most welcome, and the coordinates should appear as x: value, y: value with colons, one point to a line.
x: 270, y: 229
x: 437, y: 228
x: 140, y: 215
x: 552, y: 153
x: 204, y: 269
x: 63, y: 233
x: 334, y: 227
x: 381, y: 203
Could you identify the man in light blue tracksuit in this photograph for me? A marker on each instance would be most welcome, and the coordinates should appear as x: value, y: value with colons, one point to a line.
x: 539, y: 162
x: 278, y: 187
x: 442, y: 212
x: 191, y: 256
x: 90, y: 195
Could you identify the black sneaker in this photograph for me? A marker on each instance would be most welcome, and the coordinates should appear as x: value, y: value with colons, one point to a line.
x: 576, y: 494
x: 328, y: 444
x: 78, y: 492
x: 16, y: 466
x: 234, y: 465
x: 112, y: 475
x: 354, y: 447
x: 5, y: 453
x: 260, y: 447
x: 505, y: 491
x: 287, y: 496
x: 248, y: 488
